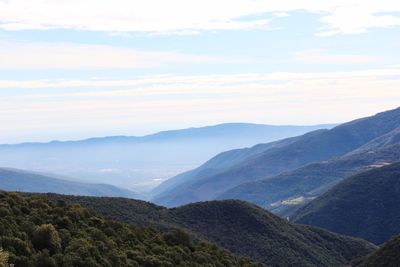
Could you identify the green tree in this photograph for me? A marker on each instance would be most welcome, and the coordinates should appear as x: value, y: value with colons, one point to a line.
x: 45, y: 260
x: 46, y: 237
x: 177, y: 237
x: 3, y: 258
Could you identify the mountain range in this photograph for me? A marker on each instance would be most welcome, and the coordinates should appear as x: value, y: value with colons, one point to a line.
x: 140, y: 163
x: 280, y: 171
x: 336, y: 192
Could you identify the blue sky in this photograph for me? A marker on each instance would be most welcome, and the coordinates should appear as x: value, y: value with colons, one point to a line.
x: 74, y: 69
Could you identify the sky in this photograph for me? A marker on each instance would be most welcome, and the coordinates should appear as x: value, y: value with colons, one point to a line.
x: 72, y: 69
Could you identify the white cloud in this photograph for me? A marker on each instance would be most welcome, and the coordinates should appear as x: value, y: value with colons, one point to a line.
x: 176, y: 16
x: 359, y: 18
x: 126, y: 15
x: 205, y: 83
x: 321, y: 56
x: 78, y: 56
x: 281, y: 14
x: 80, y: 108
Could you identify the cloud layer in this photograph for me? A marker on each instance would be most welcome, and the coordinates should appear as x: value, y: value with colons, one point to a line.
x: 15, y: 55
x: 101, y: 107
x: 179, y: 16
x: 321, y: 56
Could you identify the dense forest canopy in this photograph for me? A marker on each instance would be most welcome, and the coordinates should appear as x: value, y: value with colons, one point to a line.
x: 35, y: 232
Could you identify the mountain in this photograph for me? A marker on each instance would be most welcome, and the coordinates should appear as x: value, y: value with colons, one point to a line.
x: 315, y: 146
x: 216, y: 165
x: 391, y: 138
x: 366, y: 205
x: 24, y: 181
x: 286, y: 192
x: 140, y: 163
x: 36, y: 232
x: 387, y: 256
x: 245, y: 229
x: 242, y: 228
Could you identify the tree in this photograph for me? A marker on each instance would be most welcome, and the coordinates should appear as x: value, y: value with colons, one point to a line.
x: 3, y: 258
x: 46, y: 237
x: 177, y: 237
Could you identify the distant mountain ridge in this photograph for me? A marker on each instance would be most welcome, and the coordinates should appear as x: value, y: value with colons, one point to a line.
x: 366, y: 205
x: 25, y: 181
x: 140, y: 162
x: 320, y: 145
x: 219, y: 130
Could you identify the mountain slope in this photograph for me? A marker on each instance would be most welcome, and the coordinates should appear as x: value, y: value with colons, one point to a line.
x: 293, y: 189
x: 387, y: 256
x: 366, y: 205
x: 141, y: 162
x: 315, y: 146
x: 391, y: 138
x: 248, y: 230
x: 237, y: 226
x: 218, y: 164
x: 35, y: 232
x: 24, y: 181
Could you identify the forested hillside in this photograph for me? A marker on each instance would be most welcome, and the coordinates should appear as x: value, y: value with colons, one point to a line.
x: 35, y: 232
x: 240, y: 227
x: 249, y: 230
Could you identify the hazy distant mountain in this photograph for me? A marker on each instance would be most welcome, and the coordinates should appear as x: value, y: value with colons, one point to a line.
x: 366, y: 205
x: 24, y: 181
x: 240, y: 227
x: 140, y: 163
x: 321, y: 145
x: 217, y: 164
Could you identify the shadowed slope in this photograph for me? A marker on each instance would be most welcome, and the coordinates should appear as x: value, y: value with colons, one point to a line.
x: 387, y: 256
x: 366, y: 205
x: 280, y: 193
x: 249, y: 230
